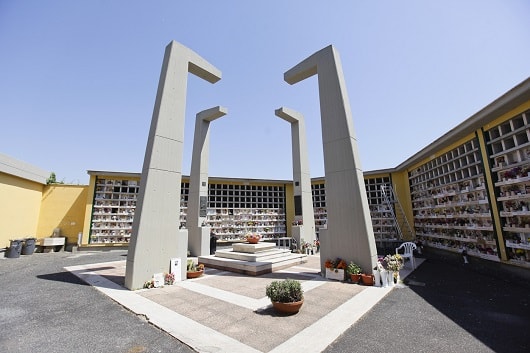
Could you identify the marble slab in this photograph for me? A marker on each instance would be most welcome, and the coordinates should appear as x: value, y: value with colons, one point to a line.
x: 253, y: 248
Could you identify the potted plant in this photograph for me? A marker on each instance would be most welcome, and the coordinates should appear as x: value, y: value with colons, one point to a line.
x: 193, y: 270
x: 287, y: 296
x: 335, y: 269
x: 367, y: 279
x: 354, y: 271
x: 252, y: 238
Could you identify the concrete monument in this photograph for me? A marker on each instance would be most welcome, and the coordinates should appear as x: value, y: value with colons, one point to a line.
x: 303, y: 198
x: 156, y: 238
x: 349, y: 234
x: 199, y: 236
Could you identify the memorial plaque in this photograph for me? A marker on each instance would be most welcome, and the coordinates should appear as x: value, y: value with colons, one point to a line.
x: 203, y: 205
x: 298, y: 205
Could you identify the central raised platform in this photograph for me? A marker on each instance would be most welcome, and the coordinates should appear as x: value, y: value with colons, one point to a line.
x: 252, y: 259
x: 252, y: 248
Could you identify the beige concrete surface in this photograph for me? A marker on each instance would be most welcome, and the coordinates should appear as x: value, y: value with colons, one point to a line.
x: 229, y: 312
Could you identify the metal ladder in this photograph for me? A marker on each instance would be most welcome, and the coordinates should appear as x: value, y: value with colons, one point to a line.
x: 390, y: 200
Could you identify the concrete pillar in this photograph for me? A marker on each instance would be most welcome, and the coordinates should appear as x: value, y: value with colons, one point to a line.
x: 349, y: 225
x: 303, y: 198
x: 155, y: 234
x: 199, y: 236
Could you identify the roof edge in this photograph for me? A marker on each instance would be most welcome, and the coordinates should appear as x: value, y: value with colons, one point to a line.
x: 20, y: 169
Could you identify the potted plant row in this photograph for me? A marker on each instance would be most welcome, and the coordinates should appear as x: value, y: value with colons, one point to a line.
x: 338, y: 268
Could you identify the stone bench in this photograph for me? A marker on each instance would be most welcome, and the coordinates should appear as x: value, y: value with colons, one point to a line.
x: 51, y: 244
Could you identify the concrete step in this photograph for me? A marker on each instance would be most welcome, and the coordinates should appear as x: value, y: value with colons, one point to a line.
x: 253, y: 257
x: 253, y: 268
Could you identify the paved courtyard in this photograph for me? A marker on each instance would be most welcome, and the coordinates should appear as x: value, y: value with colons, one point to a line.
x: 443, y: 306
x: 232, y: 311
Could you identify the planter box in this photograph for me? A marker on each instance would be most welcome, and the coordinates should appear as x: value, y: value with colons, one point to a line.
x: 331, y: 274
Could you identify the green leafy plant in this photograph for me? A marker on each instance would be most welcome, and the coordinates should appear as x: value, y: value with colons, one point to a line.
x: 192, y: 267
x: 52, y: 179
x: 286, y: 291
x: 353, y: 269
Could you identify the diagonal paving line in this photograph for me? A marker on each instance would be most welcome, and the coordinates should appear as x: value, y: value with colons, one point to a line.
x: 220, y: 294
x: 314, y: 338
x: 238, y: 299
x: 182, y: 328
x: 323, y: 332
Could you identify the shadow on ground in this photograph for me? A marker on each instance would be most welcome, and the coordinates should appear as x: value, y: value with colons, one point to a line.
x: 65, y: 277
x: 489, y: 300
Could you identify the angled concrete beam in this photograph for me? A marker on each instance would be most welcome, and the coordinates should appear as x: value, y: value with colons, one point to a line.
x: 155, y: 235
x: 301, y: 175
x: 349, y: 233
x: 198, y: 236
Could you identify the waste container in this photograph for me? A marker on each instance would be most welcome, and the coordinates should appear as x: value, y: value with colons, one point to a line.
x: 28, y: 247
x: 14, y: 249
x: 213, y: 244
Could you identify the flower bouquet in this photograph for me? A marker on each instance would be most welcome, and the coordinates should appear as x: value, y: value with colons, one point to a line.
x: 393, y: 264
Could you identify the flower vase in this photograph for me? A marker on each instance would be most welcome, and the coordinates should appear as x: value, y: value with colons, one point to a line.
x: 384, y: 278
x: 390, y: 278
x: 377, y: 279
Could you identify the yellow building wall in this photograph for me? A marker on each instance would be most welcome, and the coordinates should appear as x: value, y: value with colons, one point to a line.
x: 88, y: 209
x: 401, y: 186
x: 62, y: 206
x: 19, y: 208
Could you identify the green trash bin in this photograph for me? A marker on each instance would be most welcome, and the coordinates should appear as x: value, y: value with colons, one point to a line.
x: 28, y: 247
x: 14, y: 249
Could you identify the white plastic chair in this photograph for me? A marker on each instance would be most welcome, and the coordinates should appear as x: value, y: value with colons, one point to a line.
x: 408, y: 252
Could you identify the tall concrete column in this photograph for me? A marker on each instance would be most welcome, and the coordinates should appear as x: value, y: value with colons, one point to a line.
x: 303, y: 198
x: 198, y: 236
x: 349, y: 225
x: 155, y: 235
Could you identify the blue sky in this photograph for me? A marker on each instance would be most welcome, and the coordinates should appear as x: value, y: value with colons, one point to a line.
x: 78, y: 79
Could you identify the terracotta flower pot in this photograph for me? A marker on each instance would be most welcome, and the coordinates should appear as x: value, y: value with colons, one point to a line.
x: 355, y: 278
x: 253, y: 240
x: 368, y: 280
x: 288, y: 308
x: 194, y: 274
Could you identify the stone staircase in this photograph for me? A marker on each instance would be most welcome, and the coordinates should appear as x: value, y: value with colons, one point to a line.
x: 252, y: 259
